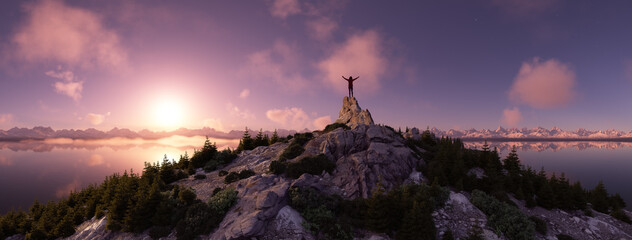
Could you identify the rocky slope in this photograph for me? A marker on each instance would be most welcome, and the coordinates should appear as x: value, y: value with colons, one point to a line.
x: 364, y: 156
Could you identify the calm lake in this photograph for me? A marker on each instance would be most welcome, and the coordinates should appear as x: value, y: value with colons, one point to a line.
x: 48, y: 170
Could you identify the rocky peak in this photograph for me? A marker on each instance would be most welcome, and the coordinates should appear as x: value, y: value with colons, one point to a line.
x: 352, y: 115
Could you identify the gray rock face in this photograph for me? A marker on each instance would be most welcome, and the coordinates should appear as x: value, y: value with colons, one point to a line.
x: 352, y: 115
x: 412, y: 133
x: 363, y: 156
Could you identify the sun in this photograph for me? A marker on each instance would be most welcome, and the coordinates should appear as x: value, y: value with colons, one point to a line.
x: 168, y: 113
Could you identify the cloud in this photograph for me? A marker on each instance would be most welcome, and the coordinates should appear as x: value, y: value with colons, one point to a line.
x: 511, y: 117
x: 360, y: 55
x: 280, y: 64
x: 4, y: 161
x: 521, y: 8
x: 285, y: 8
x: 244, y: 93
x: 65, y: 190
x: 240, y: 113
x: 292, y: 118
x: 68, y: 86
x: 322, y: 122
x: 54, y: 31
x: 214, y: 123
x: 544, y: 85
x: 95, y: 160
x: 6, y: 119
x: 96, y: 119
x: 321, y: 28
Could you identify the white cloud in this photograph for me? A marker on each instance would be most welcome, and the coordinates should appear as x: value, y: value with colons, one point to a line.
x: 244, y: 93
x: 511, y: 117
x: 214, y: 123
x: 280, y: 64
x: 361, y: 55
x: 54, y: 31
x: 548, y: 84
x: 96, y: 119
x: 68, y: 86
x: 285, y: 8
x: 322, y: 122
x: 240, y: 113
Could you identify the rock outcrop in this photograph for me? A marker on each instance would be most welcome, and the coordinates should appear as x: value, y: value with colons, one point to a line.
x: 352, y: 115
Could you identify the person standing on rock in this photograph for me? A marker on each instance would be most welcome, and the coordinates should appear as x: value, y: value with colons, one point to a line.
x: 350, y: 81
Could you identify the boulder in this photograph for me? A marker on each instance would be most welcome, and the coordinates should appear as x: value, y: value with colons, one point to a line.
x: 352, y: 115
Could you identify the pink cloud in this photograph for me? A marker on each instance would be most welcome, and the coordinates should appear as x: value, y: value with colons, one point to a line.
x: 240, y: 113
x: 360, y: 55
x: 292, y: 118
x: 96, y: 119
x: 65, y: 190
x: 244, y: 93
x: 511, y: 117
x: 543, y: 85
x: 4, y: 161
x: 322, y: 122
x: 285, y: 8
x: 95, y: 160
x: 54, y: 31
x: 6, y: 119
x: 68, y: 86
x: 214, y: 123
x: 321, y: 28
x: 280, y: 64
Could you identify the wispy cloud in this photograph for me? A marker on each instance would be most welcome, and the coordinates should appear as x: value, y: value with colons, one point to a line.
x: 295, y: 118
x: 68, y: 86
x: 548, y: 84
x: 361, y: 54
x: 281, y: 64
x: 238, y: 112
x: 244, y: 93
x: 285, y: 8
x: 95, y: 160
x: 322, y: 122
x: 6, y: 119
x: 54, y: 31
x: 321, y: 28
x: 511, y: 117
x: 213, y: 123
x: 95, y: 118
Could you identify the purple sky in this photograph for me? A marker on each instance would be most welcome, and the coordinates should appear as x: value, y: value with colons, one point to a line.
x: 278, y: 63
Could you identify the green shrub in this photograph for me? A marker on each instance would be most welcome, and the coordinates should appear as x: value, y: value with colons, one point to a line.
x: 291, y: 151
x: 157, y: 232
x: 246, y: 173
x: 223, y: 200
x: 314, y: 165
x: 231, y: 177
x: 333, y: 126
x: 540, y: 225
x: 620, y: 214
x: 211, y: 166
x: 504, y: 217
x: 216, y: 190
x: 199, y: 176
x: 222, y: 173
x: 277, y: 167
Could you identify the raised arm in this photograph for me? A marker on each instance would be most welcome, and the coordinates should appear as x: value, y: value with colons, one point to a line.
x: 343, y: 77
x: 356, y: 78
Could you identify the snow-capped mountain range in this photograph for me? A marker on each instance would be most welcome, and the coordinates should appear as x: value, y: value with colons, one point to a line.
x: 91, y: 133
x: 533, y: 133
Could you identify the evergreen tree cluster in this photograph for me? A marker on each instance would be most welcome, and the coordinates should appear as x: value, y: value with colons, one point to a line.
x: 503, y: 217
x: 247, y: 142
x: 131, y: 203
x: 208, y: 158
x: 404, y: 212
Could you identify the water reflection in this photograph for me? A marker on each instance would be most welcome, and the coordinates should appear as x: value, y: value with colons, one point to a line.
x: 50, y: 169
x: 553, y: 146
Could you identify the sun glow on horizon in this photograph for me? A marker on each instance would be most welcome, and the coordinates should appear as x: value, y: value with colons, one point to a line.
x: 168, y: 113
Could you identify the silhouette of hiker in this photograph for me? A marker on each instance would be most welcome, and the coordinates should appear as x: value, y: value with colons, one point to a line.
x: 350, y: 81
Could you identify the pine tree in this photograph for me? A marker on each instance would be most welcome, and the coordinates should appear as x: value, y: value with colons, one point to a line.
x: 274, y: 138
x: 546, y: 197
x: 418, y: 223
x: 598, y: 197
x: 377, y: 212
x: 512, y: 162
